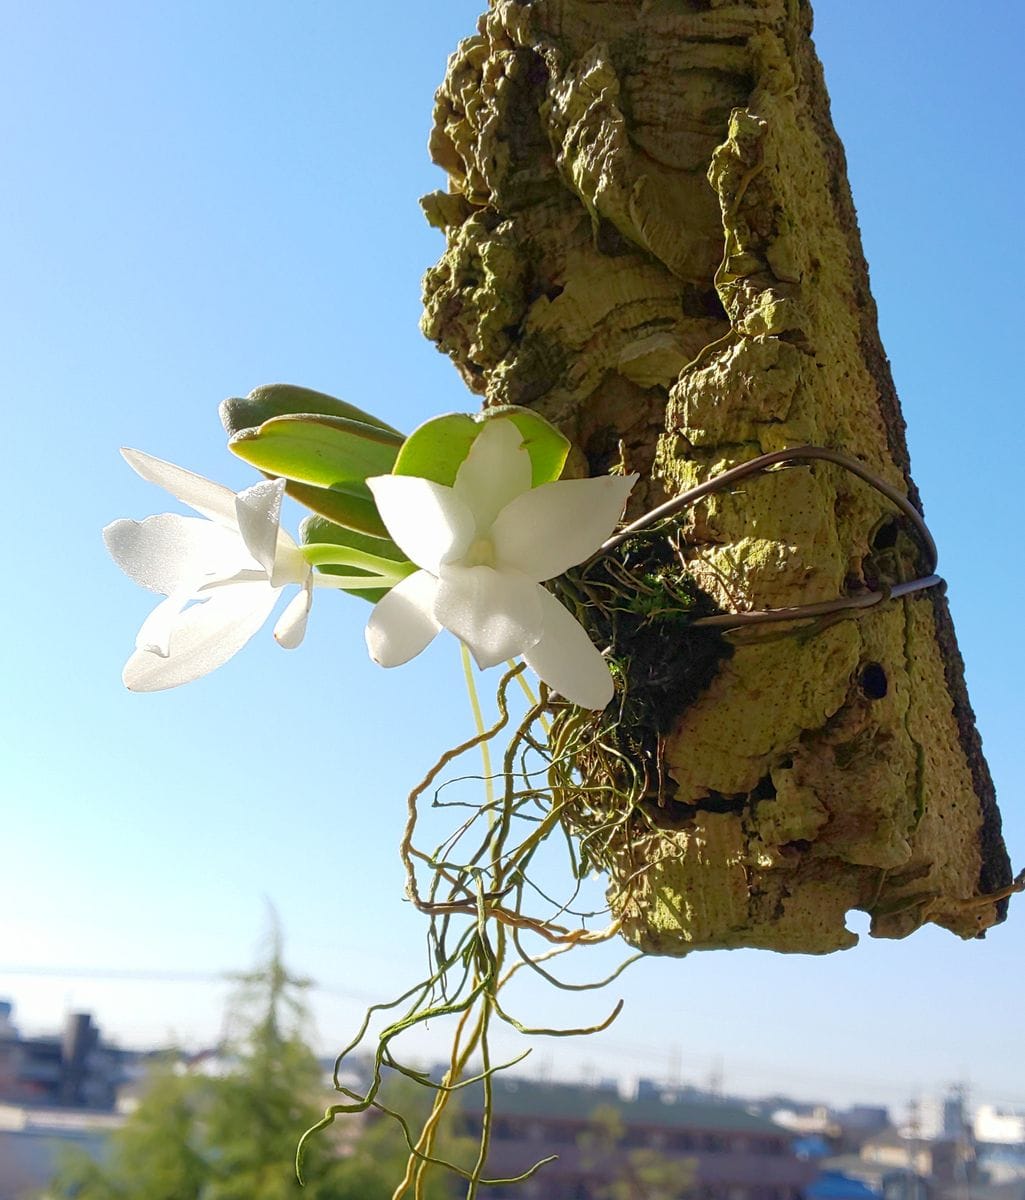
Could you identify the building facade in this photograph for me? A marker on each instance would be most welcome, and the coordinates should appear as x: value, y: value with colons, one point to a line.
x: 72, y: 1069
x: 721, y: 1151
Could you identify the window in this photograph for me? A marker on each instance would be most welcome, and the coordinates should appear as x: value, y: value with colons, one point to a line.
x: 502, y: 1130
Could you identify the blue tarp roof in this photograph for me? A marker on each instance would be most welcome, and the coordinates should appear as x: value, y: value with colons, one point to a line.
x: 834, y: 1185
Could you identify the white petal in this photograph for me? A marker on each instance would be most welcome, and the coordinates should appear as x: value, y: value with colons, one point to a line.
x: 211, y: 499
x: 205, y: 636
x: 496, y: 469
x: 402, y: 623
x: 258, y: 510
x: 566, y: 658
x: 167, y: 550
x: 557, y: 525
x: 155, y: 634
x: 496, y: 613
x: 427, y: 521
x: 291, y: 625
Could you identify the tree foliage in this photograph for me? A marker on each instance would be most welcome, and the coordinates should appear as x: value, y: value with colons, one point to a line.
x: 233, y: 1135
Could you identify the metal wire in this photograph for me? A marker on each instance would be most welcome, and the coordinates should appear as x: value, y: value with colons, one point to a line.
x: 797, y: 612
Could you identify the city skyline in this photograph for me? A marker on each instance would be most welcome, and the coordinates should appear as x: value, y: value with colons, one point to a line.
x: 667, y: 1066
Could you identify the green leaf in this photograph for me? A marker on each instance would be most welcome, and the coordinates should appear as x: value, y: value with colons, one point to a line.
x: 317, y: 530
x: 437, y: 449
x: 353, y: 507
x: 282, y: 399
x: 331, y: 452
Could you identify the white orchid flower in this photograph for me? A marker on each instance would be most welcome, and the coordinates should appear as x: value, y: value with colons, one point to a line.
x: 484, y: 546
x: 222, y: 576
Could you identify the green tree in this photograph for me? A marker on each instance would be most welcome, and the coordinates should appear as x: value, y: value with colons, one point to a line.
x: 159, y: 1153
x: 233, y: 1137
x: 271, y: 1095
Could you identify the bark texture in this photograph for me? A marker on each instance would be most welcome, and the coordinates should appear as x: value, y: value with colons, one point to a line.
x: 651, y: 240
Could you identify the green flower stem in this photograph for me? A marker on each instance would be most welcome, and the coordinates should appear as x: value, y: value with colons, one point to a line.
x: 478, y: 720
x: 356, y: 583
x: 331, y: 554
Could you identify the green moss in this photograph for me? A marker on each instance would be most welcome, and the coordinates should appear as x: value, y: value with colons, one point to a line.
x: 641, y: 602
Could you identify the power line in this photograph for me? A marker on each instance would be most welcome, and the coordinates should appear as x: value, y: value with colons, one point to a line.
x: 163, y: 975
x: 118, y: 973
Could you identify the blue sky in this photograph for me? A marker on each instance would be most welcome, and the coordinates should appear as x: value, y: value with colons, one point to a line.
x: 202, y: 198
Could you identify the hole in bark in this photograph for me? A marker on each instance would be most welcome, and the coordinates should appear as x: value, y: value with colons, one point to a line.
x: 701, y: 302
x: 873, y: 682
x: 610, y: 242
x: 666, y: 813
x: 717, y: 802
x: 537, y: 72
x: 602, y: 450
x: 786, y: 762
x: 885, y: 537
x: 764, y: 789
x: 797, y: 846
x: 539, y: 288
x: 894, y: 549
x: 671, y: 813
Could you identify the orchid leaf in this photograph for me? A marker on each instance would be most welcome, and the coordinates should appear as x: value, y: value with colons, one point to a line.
x: 330, y: 452
x: 437, y: 449
x: 283, y: 399
x: 352, y: 507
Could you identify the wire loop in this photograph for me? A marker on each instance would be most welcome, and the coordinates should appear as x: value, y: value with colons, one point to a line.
x: 797, y: 612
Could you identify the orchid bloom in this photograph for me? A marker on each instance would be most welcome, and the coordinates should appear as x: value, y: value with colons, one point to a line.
x: 221, y: 576
x: 484, y: 546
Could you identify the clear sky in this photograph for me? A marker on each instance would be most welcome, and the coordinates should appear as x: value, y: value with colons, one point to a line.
x: 199, y: 198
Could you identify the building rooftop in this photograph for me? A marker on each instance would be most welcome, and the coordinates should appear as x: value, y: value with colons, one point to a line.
x: 529, y: 1098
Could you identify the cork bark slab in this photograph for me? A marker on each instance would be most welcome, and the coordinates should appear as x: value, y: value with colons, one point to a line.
x: 651, y: 239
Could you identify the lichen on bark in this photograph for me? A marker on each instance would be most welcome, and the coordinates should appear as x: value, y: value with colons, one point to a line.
x: 651, y: 240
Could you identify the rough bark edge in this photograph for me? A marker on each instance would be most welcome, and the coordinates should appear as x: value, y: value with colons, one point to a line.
x: 995, y: 870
